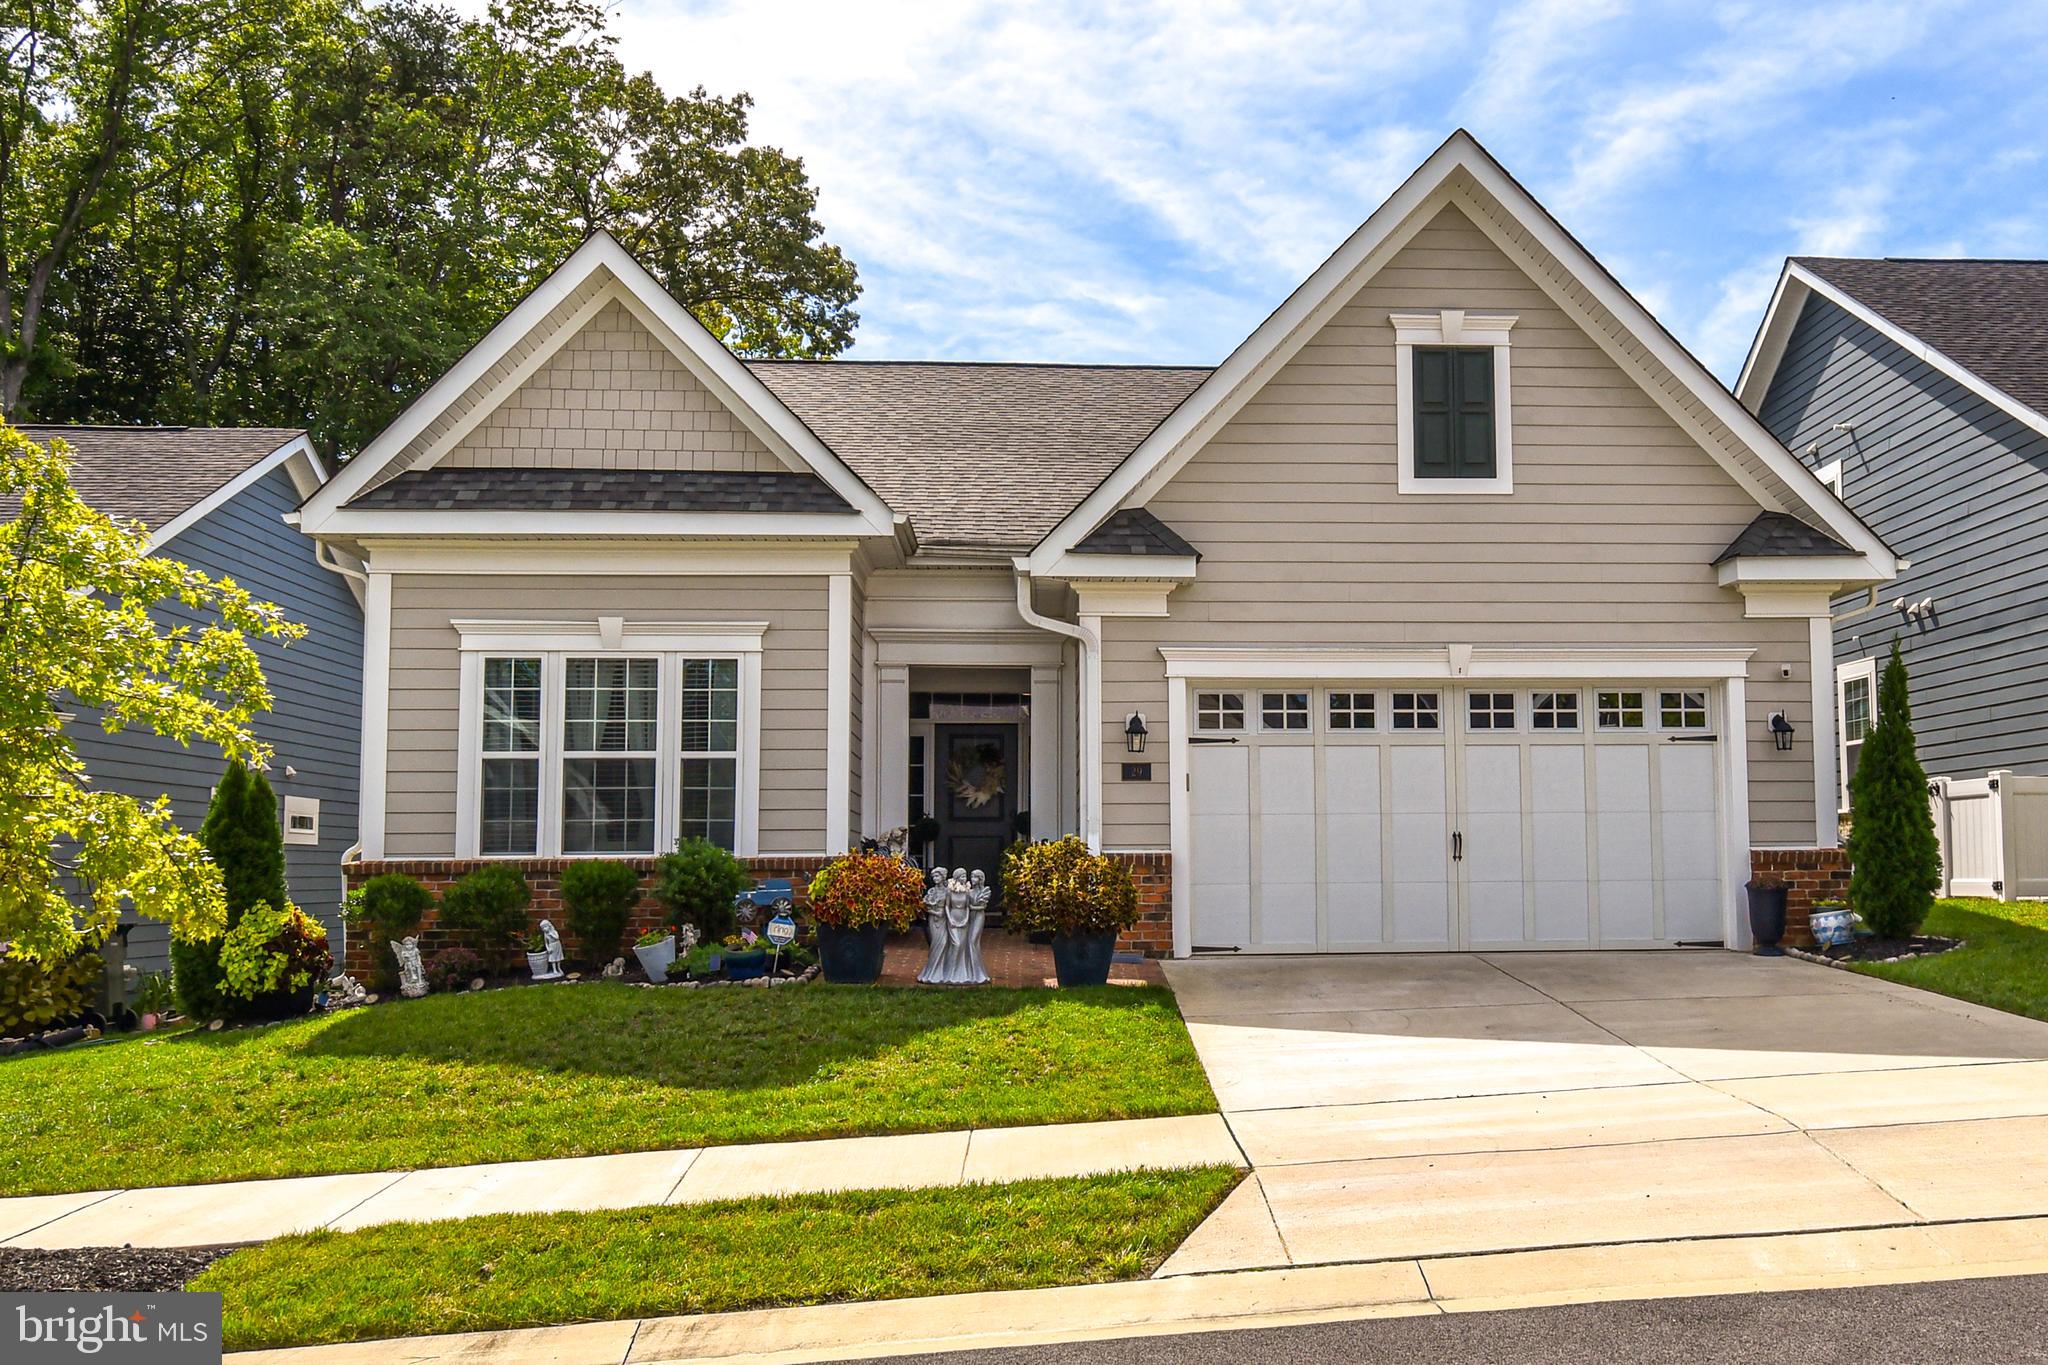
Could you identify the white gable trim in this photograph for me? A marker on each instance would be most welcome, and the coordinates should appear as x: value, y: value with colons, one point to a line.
x: 1795, y: 285
x: 629, y: 283
x: 1161, y: 454
x: 295, y: 455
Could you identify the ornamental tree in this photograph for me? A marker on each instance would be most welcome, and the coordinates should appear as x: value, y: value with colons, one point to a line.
x: 80, y: 632
x: 1896, y: 860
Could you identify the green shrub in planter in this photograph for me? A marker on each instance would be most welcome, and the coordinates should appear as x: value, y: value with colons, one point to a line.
x: 1059, y: 887
x: 384, y: 910
x: 33, y: 996
x: 486, y: 909
x: 599, y: 898
x: 273, y: 951
x: 697, y: 883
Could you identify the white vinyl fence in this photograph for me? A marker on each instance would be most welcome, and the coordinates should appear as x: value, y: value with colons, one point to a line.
x: 1994, y: 835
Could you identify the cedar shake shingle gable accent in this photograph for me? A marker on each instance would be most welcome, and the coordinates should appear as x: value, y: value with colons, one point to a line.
x: 1991, y: 317
x: 1135, y: 531
x: 448, y: 488
x: 1778, y: 535
x: 980, y: 457
x: 156, y: 474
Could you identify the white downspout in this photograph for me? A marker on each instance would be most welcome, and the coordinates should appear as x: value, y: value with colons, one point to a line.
x: 1091, y: 704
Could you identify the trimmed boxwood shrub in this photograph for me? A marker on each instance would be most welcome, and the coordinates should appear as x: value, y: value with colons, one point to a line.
x: 599, y: 898
x: 696, y: 885
x: 1059, y: 887
x: 486, y: 911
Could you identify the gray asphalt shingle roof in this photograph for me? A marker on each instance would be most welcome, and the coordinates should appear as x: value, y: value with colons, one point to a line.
x: 1778, y: 534
x: 155, y: 474
x: 1989, y: 316
x: 1135, y: 531
x: 602, y: 490
x: 980, y: 456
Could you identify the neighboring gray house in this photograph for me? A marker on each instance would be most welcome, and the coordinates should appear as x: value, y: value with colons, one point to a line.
x: 216, y: 499
x: 1918, y: 389
x: 1457, y: 608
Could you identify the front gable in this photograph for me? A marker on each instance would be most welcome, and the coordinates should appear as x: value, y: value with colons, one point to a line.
x: 608, y: 410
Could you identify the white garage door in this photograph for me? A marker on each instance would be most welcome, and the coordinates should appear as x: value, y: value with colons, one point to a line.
x: 1338, y: 819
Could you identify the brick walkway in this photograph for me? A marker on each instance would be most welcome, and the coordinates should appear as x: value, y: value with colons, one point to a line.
x: 1011, y: 961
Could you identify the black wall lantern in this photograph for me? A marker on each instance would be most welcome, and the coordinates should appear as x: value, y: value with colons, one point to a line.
x: 1134, y: 733
x: 1781, y: 732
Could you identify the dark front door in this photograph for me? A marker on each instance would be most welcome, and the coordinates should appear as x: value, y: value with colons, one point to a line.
x: 977, y: 795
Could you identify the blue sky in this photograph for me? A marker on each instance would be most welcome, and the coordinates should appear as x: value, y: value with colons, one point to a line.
x: 1146, y: 181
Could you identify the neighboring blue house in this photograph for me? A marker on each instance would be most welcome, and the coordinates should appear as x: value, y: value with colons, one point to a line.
x: 217, y: 499
x: 1919, y: 390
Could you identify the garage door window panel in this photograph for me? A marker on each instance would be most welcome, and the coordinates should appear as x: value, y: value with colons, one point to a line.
x: 1353, y: 710
x: 1219, y: 712
x: 1417, y: 711
x: 1620, y: 711
x: 1284, y: 712
x: 1554, y: 711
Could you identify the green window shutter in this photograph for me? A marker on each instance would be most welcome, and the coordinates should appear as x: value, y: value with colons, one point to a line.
x: 1475, y: 415
x: 1435, y: 408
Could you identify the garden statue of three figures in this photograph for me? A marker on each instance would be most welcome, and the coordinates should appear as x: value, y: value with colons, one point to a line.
x: 955, y: 909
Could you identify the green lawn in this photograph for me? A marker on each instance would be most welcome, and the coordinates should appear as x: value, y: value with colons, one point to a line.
x: 577, y: 1070
x: 2004, y: 963
x: 529, y: 1270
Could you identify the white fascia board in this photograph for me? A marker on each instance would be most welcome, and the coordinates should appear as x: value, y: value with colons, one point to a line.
x: 1842, y: 571
x: 295, y: 455
x: 706, y: 357
x: 608, y: 635
x: 1763, y: 365
x: 1136, y: 568
x: 1767, y: 348
x: 447, y: 523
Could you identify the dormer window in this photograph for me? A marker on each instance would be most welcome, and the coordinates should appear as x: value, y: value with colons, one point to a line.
x: 1451, y: 371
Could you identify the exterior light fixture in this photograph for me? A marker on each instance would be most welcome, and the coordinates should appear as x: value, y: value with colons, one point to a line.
x: 1134, y: 733
x: 1781, y: 732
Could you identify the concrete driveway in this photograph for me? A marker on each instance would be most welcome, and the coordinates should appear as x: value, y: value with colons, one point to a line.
x: 1409, y: 1106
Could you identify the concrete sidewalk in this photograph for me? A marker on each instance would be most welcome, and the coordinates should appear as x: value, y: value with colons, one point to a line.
x: 1239, y: 1300
x: 256, y: 1210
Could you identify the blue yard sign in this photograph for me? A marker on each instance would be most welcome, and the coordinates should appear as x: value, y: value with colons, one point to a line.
x: 782, y: 931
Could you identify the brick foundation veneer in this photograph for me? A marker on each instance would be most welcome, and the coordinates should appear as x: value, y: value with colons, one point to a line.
x: 1152, y: 935
x: 1809, y: 875
x: 544, y: 875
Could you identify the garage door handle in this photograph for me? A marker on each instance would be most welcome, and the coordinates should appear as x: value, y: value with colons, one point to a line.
x: 1212, y: 739
x: 1457, y: 846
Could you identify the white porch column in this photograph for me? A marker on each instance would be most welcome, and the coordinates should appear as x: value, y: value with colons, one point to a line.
x: 1046, y: 768
x: 892, y: 736
x: 376, y: 714
x: 839, y: 666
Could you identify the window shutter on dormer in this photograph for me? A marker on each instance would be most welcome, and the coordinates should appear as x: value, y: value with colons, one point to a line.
x: 1453, y: 414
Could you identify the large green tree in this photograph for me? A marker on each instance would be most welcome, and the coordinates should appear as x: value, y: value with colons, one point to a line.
x: 332, y: 199
x: 79, y: 629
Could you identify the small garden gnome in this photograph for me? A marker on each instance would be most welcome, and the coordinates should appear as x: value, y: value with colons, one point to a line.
x: 412, y: 977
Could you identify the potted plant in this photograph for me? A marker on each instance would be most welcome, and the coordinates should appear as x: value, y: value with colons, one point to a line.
x: 1832, y: 923
x: 656, y: 949
x: 273, y: 961
x: 746, y: 957
x: 858, y: 900
x: 1083, y: 899
x: 1767, y: 915
x: 535, y: 945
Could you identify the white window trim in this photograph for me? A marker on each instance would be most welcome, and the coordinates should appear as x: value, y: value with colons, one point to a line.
x: 1452, y: 327
x: 1865, y: 669
x: 1245, y: 712
x: 1308, y: 727
x: 1831, y: 475
x: 609, y: 637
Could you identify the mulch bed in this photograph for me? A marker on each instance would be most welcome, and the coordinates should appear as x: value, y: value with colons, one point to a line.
x: 103, y: 1270
x: 1872, y: 949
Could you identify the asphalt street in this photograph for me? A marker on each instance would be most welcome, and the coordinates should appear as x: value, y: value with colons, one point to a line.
x: 1975, y: 1321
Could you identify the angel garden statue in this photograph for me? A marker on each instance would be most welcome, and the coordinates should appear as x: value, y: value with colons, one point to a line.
x: 412, y: 977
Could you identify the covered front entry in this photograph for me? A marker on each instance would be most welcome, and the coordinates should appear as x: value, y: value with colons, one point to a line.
x: 1351, y: 818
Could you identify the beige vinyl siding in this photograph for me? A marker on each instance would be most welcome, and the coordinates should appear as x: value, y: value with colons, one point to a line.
x: 1607, y: 539
x: 614, y: 397
x: 425, y: 703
